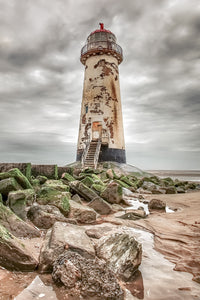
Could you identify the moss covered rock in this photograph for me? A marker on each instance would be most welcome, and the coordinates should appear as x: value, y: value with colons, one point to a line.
x: 57, y: 185
x: 7, y: 185
x: 84, y: 191
x: 15, y: 225
x: 13, y: 253
x: 98, y: 188
x: 123, y: 184
x: 19, y: 200
x: 20, y: 178
x: 42, y: 179
x: 1, y: 198
x: 67, y: 177
x: 51, y: 196
x: 88, y: 181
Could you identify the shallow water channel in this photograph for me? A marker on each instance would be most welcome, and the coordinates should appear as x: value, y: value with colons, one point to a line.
x: 159, y: 280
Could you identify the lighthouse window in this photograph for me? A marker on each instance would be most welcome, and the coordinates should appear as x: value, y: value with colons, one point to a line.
x: 86, y: 109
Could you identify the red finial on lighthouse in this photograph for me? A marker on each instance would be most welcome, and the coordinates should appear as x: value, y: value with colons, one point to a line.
x: 101, y: 26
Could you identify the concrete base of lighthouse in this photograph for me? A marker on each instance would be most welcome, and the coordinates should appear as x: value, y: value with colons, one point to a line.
x: 108, y: 154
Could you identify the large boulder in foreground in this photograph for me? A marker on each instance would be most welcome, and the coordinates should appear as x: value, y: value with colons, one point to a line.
x: 19, y: 177
x: 13, y: 253
x: 15, y: 225
x: 64, y: 236
x: 82, y: 213
x: 19, y: 200
x: 44, y: 216
x: 52, y: 196
x: 112, y: 193
x: 122, y: 253
x: 86, y: 278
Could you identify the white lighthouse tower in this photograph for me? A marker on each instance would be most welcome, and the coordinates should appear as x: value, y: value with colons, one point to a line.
x: 101, y: 134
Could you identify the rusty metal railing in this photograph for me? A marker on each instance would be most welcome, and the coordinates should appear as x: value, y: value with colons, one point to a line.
x: 96, y: 156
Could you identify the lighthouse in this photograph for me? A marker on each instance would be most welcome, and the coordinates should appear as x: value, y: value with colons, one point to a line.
x: 101, y: 134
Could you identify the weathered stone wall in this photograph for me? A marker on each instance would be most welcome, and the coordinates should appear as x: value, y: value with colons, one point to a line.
x: 50, y: 171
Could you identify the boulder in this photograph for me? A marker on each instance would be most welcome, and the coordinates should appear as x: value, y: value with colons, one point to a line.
x: 51, y: 196
x: 44, y: 216
x: 98, y: 188
x: 88, y: 278
x: 122, y: 253
x: 1, y: 198
x: 133, y: 214
x: 57, y: 185
x: 42, y: 179
x: 13, y: 253
x: 180, y: 189
x: 88, y: 181
x: 100, y: 206
x: 127, y: 181
x: 15, y: 225
x: 122, y: 183
x: 84, y: 191
x: 67, y: 177
x: 64, y: 236
x: 77, y: 198
x: 7, y: 185
x: 110, y: 174
x: 82, y: 213
x: 156, y: 204
x: 117, y: 207
x: 170, y: 189
x: 152, y: 187
x: 19, y: 200
x: 20, y: 178
x: 112, y: 193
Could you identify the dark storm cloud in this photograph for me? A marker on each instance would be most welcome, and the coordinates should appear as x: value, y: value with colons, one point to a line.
x: 41, y: 78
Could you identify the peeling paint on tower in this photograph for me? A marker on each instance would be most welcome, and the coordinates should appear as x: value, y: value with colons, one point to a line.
x: 101, y: 102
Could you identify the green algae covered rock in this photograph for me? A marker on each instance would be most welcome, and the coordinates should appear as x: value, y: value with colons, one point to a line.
x: 9, y: 184
x: 112, y: 193
x: 126, y: 180
x: 13, y: 253
x: 19, y: 177
x: 84, y: 191
x: 19, y: 200
x: 88, y: 181
x: 67, y: 177
x: 57, y: 185
x: 51, y: 196
x: 42, y: 179
x: 15, y: 225
x: 123, y: 184
x: 98, y: 187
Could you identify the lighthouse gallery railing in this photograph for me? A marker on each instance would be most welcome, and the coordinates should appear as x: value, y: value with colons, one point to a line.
x: 102, y: 45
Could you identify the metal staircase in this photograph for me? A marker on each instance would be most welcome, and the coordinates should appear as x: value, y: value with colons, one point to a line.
x: 90, y: 155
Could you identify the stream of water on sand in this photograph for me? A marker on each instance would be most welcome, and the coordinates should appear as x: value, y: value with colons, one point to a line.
x: 160, y: 281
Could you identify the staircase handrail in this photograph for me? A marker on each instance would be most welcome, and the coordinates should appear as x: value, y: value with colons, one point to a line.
x: 96, y: 156
x: 85, y: 152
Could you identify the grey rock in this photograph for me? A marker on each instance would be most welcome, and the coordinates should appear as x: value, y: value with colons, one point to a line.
x: 122, y: 253
x: 112, y: 193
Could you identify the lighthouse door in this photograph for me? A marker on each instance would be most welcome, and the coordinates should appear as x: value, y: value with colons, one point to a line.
x: 96, y: 130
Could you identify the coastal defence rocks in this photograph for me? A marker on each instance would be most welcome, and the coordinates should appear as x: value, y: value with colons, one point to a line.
x: 46, y: 202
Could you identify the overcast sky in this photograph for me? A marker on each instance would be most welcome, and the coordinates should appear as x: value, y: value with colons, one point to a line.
x: 41, y: 78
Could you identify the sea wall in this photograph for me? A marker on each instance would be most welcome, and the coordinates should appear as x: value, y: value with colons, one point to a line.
x: 50, y: 171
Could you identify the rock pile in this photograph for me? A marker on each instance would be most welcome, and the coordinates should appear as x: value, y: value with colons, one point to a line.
x: 59, y: 208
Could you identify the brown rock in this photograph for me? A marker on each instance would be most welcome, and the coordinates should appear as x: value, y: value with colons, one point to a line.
x: 156, y: 204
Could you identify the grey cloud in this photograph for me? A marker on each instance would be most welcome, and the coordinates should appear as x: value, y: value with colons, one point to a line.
x: 41, y: 78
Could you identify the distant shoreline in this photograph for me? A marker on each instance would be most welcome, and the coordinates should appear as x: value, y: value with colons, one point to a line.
x: 188, y: 175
